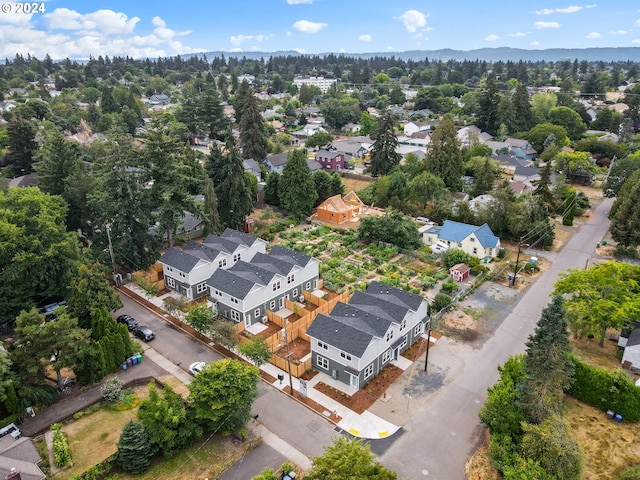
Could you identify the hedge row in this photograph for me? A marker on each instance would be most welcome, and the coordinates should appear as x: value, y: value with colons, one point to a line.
x: 606, y: 390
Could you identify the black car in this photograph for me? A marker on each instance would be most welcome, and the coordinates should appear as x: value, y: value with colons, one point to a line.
x: 128, y: 320
x: 144, y: 333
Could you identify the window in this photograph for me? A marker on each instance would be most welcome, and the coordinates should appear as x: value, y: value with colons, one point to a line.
x: 295, y: 293
x: 475, y: 251
x: 235, y: 315
x: 386, y: 356
x: 236, y: 257
x: 322, y: 363
x: 272, y: 305
x: 345, y: 355
x: 403, y: 325
x: 368, y: 371
x: 491, y: 252
x: 256, y: 313
x: 323, y: 345
x: 222, y: 263
x: 472, y: 239
x: 404, y: 342
x: 182, y: 275
x: 218, y: 293
x: 171, y: 283
x: 290, y: 278
x: 389, y: 335
x: 169, y: 269
x: 308, y: 286
x: 276, y: 285
x: 418, y: 330
x: 201, y: 287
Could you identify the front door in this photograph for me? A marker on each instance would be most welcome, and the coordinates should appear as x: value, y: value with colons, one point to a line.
x: 396, y: 353
x: 247, y: 320
x: 281, y: 302
x: 355, y: 381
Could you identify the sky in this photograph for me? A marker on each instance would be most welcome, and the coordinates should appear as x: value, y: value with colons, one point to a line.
x: 145, y: 28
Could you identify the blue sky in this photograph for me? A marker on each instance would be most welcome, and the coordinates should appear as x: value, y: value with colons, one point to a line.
x: 141, y: 28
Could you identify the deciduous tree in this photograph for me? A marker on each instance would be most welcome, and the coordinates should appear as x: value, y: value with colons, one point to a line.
x: 89, y: 291
x: 257, y: 350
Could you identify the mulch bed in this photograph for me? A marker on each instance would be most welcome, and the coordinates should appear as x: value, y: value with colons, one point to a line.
x: 368, y: 394
x: 298, y: 349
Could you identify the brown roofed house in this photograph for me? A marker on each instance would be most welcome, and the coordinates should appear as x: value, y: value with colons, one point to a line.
x: 338, y: 210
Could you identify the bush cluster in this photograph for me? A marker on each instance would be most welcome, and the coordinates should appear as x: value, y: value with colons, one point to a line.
x: 61, y: 449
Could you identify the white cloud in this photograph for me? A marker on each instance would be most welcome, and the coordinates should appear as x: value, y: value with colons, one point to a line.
x: 306, y: 26
x: 365, y: 38
x: 637, y: 24
x: 593, y: 35
x: 413, y: 20
x: 592, y: 5
x: 636, y: 41
x: 103, y: 32
x: 492, y: 38
x: 546, y: 25
x: 619, y: 32
x: 517, y: 34
x: 569, y: 9
x: 239, y: 39
x: 298, y: 2
x: 535, y: 44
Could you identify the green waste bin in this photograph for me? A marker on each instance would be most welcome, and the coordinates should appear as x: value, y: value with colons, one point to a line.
x: 139, y: 357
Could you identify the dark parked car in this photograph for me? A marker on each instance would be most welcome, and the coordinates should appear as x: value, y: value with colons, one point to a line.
x: 128, y: 320
x: 144, y: 333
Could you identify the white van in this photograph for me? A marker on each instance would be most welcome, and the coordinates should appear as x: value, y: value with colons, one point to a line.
x: 12, y: 430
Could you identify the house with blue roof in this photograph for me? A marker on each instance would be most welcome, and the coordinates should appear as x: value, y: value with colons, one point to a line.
x: 356, y: 340
x: 246, y: 290
x: 476, y: 241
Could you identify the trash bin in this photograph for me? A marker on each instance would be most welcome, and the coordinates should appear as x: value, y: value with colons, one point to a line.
x: 129, y: 362
x: 124, y: 366
x: 618, y: 418
x: 139, y: 357
x: 510, y: 276
x: 610, y: 414
x: 134, y: 360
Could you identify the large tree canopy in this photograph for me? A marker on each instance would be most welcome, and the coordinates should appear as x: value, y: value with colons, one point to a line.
x: 383, y: 154
x: 296, y: 188
x: 602, y: 296
x: 625, y: 214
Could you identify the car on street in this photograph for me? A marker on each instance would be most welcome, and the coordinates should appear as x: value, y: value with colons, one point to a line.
x: 128, y: 320
x: 196, y: 368
x: 144, y: 333
x: 50, y: 311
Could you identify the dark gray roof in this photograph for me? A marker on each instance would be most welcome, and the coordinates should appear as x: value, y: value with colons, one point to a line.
x: 22, y: 455
x: 278, y: 159
x: 272, y: 263
x: 339, y: 335
x: 202, y: 251
x: 236, y: 281
x: 634, y: 338
x: 289, y: 255
x: 378, y: 305
x: 240, y: 237
x: 179, y: 260
x: 395, y: 295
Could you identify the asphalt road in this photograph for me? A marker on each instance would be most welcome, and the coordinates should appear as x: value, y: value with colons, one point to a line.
x: 444, y: 430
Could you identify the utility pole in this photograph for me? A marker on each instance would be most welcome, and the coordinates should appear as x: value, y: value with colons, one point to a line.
x: 515, y: 271
x: 286, y: 343
x: 113, y: 258
x: 426, y: 358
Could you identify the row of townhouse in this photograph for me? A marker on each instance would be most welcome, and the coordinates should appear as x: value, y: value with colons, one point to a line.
x: 241, y: 279
x: 359, y: 338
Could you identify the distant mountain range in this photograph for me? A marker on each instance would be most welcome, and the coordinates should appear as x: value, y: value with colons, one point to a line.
x: 612, y: 54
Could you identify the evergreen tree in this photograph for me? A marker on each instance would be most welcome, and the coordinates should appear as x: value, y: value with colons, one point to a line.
x: 253, y: 137
x: 193, y: 170
x: 211, y: 217
x: 485, y: 175
x: 134, y: 448
x: 271, y: 189
x: 55, y: 161
x: 89, y: 292
x: 337, y: 187
x: 625, y: 214
x: 234, y: 192
x: 22, y: 144
x: 383, y: 154
x: 488, y: 116
x: 522, y: 107
x: 211, y: 113
x: 108, y: 103
x: 213, y: 165
x: 507, y: 116
x: 547, y: 364
x: 543, y: 187
x: 445, y: 158
x: 296, y: 188
x: 322, y: 181
x: 242, y: 93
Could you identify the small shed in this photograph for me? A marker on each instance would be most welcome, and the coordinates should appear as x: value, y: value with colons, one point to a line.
x: 459, y: 272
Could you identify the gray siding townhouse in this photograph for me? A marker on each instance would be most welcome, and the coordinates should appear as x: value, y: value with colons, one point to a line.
x: 358, y: 339
x: 244, y: 292
x: 186, y: 271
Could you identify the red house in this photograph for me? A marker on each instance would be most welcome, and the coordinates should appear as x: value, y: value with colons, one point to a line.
x: 330, y: 160
x: 459, y: 272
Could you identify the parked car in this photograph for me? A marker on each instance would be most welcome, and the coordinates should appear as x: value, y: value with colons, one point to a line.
x: 12, y: 430
x: 128, y: 320
x: 144, y: 333
x: 49, y: 311
x: 196, y: 368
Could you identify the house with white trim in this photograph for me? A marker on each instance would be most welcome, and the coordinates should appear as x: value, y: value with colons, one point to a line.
x: 476, y: 241
x: 358, y: 339
x: 246, y: 290
x: 186, y: 270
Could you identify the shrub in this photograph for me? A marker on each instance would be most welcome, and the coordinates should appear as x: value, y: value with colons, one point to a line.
x: 61, y: 450
x: 632, y: 473
x: 449, y: 286
x: 112, y: 390
x: 441, y: 301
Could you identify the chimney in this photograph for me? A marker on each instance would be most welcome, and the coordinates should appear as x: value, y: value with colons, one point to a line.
x: 13, y: 475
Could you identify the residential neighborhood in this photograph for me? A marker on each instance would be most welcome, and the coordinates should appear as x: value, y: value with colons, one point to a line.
x: 429, y: 262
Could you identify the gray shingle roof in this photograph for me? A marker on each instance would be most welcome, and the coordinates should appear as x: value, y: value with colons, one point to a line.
x: 231, y: 283
x: 272, y: 263
x: 334, y: 332
x: 240, y: 237
x: 291, y: 256
x: 179, y: 260
x: 395, y: 295
x: 277, y: 159
x: 378, y: 305
x: 634, y: 338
